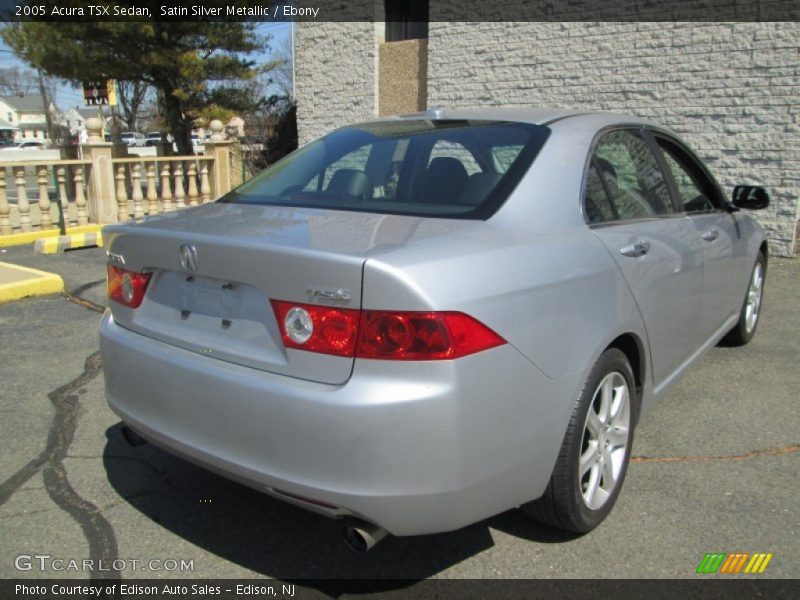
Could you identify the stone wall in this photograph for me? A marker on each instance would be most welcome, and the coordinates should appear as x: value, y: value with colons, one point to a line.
x: 336, y: 76
x: 730, y: 90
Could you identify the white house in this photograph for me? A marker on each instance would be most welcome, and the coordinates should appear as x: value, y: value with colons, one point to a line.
x: 26, y: 114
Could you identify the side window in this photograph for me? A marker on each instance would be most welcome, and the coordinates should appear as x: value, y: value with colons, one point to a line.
x: 631, y: 174
x: 598, y: 206
x: 695, y: 191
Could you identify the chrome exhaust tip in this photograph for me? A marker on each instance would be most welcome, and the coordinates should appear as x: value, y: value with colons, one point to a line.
x: 133, y: 438
x: 362, y: 536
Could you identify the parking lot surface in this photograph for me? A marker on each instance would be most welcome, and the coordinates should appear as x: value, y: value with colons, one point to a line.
x: 715, y: 469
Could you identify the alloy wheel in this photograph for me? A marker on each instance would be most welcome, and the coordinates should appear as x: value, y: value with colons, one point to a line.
x: 754, y: 294
x: 605, y: 440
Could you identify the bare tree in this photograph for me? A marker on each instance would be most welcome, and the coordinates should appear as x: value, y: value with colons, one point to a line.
x: 18, y: 82
x: 282, y: 73
x: 132, y: 96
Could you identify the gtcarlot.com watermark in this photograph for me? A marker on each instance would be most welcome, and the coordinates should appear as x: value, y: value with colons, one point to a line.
x: 47, y: 563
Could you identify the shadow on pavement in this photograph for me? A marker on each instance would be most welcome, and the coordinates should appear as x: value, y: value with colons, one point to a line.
x: 279, y: 540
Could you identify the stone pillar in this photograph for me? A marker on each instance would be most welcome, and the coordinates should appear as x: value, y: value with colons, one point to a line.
x: 102, y: 203
x: 222, y: 179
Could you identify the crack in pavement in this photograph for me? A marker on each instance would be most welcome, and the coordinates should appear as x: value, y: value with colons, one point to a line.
x: 74, y: 296
x: 790, y: 449
x: 61, y: 429
x: 98, y: 531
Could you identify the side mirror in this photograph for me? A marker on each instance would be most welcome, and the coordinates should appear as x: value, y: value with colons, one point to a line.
x: 752, y: 197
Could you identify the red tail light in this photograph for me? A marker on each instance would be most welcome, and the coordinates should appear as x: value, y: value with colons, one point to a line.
x: 321, y: 329
x: 386, y: 335
x: 422, y: 335
x: 127, y: 287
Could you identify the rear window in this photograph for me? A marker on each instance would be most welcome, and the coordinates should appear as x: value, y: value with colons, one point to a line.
x: 439, y: 168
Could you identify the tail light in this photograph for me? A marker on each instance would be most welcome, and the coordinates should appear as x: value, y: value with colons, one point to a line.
x: 422, y: 335
x: 386, y: 335
x: 317, y: 328
x: 127, y: 287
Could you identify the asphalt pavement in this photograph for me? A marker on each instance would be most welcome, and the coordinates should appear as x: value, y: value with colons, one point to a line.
x: 715, y: 469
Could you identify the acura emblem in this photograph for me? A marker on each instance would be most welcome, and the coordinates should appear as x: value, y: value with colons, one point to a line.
x: 189, y: 257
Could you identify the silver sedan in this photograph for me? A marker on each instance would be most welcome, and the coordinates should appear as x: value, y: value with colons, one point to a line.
x: 418, y: 322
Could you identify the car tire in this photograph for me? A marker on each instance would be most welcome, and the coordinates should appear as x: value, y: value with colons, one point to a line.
x: 594, y: 455
x: 749, y: 316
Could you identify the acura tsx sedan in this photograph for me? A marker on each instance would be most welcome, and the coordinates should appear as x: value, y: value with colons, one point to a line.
x: 418, y: 322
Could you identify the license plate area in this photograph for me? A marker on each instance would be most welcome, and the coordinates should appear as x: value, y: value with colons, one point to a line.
x: 202, y: 296
x: 215, y: 317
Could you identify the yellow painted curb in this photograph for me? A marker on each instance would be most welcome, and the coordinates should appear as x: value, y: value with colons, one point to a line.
x: 52, y: 245
x: 20, y: 239
x: 31, y: 282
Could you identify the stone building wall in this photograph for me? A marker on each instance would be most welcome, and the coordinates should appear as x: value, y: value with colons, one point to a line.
x: 731, y: 90
x: 336, y: 76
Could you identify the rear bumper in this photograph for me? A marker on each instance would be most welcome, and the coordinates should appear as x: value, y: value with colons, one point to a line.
x: 417, y: 447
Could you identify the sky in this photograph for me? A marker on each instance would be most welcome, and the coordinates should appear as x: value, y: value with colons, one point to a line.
x: 68, y: 95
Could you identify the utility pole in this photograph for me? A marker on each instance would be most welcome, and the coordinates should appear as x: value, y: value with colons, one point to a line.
x: 46, y: 100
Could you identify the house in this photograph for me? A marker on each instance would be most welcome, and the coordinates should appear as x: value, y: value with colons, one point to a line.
x: 728, y: 88
x: 8, y: 132
x: 27, y: 114
x: 74, y: 119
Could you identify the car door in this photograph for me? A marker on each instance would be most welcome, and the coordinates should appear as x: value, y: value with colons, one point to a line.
x: 628, y: 206
x: 702, y: 202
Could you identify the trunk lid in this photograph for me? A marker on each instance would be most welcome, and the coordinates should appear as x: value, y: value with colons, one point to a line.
x: 246, y: 255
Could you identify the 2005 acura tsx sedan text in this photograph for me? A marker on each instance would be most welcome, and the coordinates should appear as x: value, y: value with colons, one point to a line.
x: 418, y: 322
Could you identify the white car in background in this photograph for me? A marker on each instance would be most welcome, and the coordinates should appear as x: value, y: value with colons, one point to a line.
x: 132, y: 138
x: 153, y: 138
x: 26, y: 145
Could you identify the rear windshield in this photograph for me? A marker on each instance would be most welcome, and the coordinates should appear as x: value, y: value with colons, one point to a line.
x: 440, y: 168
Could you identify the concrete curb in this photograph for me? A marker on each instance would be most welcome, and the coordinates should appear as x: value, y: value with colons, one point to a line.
x: 20, y: 282
x: 21, y: 239
x: 52, y: 245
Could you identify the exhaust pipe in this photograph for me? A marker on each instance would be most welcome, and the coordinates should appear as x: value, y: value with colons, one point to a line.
x: 362, y: 536
x: 133, y: 438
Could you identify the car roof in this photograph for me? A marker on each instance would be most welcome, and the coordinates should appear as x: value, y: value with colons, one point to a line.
x: 536, y: 116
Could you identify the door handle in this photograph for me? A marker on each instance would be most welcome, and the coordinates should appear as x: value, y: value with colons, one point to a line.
x: 710, y: 235
x: 639, y: 248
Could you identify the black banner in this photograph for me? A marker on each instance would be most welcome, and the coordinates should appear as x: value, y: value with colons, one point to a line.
x: 371, y: 10
x: 390, y: 589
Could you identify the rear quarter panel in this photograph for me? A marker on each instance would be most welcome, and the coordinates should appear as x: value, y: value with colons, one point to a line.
x: 558, y: 298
